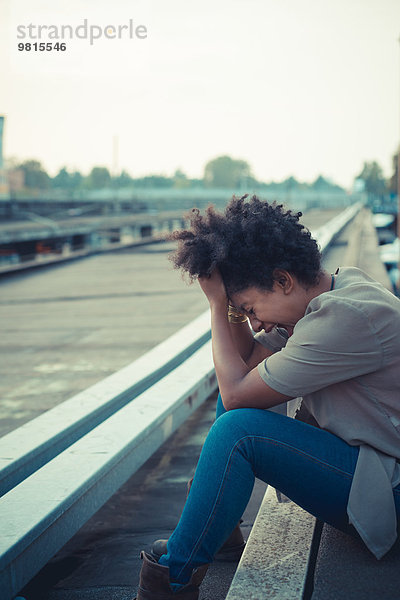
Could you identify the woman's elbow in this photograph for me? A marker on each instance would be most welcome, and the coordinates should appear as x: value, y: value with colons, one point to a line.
x: 230, y: 401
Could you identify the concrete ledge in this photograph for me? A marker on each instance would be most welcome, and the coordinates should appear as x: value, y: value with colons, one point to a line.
x: 29, y: 447
x: 328, y: 232
x: 279, y: 554
x: 363, y: 249
x: 44, y: 511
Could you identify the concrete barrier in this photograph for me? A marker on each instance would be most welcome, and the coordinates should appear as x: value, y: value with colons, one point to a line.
x: 29, y: 447
x: 280, y: 555
x: 42, y: 513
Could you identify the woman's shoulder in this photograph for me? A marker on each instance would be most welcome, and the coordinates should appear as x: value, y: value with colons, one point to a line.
x: 353, y: 288
x: 346, y: 276
x: 360, y: 306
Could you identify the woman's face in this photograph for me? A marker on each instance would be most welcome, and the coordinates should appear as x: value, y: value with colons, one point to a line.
x: 284, y: 306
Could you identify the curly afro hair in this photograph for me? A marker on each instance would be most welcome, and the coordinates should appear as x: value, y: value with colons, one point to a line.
x: 247, y: 242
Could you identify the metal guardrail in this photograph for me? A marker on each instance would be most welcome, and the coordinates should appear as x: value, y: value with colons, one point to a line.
x: 51, y: 259
x: 84, y: 449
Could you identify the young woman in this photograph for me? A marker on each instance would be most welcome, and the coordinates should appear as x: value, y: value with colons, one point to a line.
x: 332, y: 340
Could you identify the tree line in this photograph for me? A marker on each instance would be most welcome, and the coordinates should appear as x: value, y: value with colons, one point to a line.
x: 221, y: 172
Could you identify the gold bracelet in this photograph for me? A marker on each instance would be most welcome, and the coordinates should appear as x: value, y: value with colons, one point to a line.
x: 233, y: 319
x: 235, y: 316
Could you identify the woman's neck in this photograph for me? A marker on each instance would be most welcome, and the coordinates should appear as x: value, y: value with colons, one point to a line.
x: 324, y: 285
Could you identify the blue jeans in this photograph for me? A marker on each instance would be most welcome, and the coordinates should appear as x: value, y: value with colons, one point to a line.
x: 309, y: 465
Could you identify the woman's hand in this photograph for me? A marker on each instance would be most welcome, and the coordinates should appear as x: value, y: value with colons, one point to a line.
x: 214, y: 288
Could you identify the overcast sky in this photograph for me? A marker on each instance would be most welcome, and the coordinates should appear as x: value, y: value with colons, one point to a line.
x: 302, y: 87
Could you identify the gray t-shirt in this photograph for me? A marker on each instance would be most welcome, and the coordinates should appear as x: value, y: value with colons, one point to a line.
x: 344, y: 360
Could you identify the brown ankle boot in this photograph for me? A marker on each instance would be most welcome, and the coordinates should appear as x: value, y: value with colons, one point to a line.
x: 231, y: 551
x: 154, y: 582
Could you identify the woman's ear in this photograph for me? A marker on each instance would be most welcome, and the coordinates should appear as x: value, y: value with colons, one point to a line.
x: 283, y: 280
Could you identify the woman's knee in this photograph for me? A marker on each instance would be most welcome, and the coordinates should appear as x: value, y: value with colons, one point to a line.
x: 226, y: 427
x: 225, y: 434
x: 231, y: 418
x: 233, y: 425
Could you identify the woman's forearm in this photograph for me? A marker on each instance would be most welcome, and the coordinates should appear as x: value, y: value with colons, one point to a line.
x: 242, y: 338
x: 228, y: 346
x: 240, y: 385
